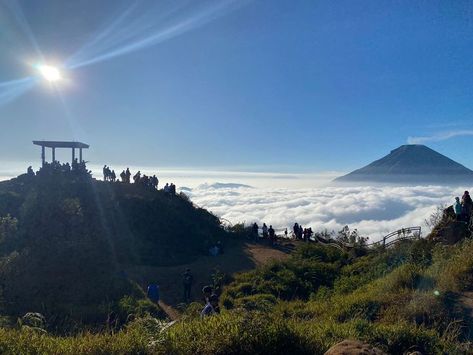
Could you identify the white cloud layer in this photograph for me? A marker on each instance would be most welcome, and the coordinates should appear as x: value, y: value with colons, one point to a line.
x: 374, y: 211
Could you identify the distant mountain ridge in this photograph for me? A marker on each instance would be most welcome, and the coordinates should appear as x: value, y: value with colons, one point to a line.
x: 412, y: 163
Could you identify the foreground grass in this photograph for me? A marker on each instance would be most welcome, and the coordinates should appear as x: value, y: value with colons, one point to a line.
x: 399, y: 300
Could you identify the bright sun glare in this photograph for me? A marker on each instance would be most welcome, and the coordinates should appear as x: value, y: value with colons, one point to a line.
x: 50, y: 73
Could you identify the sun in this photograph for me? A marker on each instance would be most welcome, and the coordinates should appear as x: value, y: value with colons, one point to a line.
x: 49, y: 73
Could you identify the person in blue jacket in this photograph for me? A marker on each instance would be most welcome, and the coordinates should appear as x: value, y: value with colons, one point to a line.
x: 457, y: 207
x: 153, y: 293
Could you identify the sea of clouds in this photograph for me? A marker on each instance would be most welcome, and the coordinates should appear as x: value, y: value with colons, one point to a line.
x: 374, y: 211
x: 280, y: 199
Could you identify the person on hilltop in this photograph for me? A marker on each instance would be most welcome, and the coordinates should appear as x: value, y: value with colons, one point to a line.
x: 211, y: 308
x: 127, y: 175
x: 30, y: 171
x: 265, y: 231
x: 457, y: 208
x: 105, y: 173
x: 137, y: 177
x: 467, y: 204
x: 113, y: 176
x: 123, y: 176
x: 187, y: 280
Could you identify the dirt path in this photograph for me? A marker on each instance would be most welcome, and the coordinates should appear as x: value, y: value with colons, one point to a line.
x: 466, y: 301
x: 241, y: 256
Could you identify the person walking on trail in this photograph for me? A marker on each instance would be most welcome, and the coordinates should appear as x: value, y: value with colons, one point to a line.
x: 457, y: 208
x: 153, y: 293
x: 467, y: 204
x: 211, y: 308
x: 187, y: 280
x: 265, y: 231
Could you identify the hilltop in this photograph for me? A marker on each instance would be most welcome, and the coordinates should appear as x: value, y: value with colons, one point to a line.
x: 64, y: 238
x: 412, y: 163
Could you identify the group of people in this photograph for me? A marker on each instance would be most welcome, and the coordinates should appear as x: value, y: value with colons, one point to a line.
x: 125, y: 176
x: 463, y: 208
x: 267, y: 233
x: 302, y: 233
x: 170, y: 188
x: 210, y: 298
x: 298, y: 233
x: 77, y: 168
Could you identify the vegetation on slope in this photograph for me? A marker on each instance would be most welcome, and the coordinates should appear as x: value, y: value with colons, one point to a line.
x: 64, y: 237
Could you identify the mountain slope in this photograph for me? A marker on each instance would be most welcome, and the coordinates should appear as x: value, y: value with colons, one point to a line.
x: 411, y: 163
x: 65, y: 236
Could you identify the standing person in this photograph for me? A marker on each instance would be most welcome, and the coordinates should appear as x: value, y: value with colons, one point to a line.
x: 211, y: 307
x: 123, y: 176
x: 105, y: 175
x: 113, y: 176
x: 187, y: 280
x: 467, y: 206
x: 272, y: 234
x: 153, y: 293
x: 254, y: 231
x: 295, y: 230
x: 127, y: 175
x: 137, y: 177
x: 285, y: 233
x: 457, y: 208
x: 265, y: 231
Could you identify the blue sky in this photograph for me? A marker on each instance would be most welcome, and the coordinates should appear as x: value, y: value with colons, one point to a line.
x: 294, y: 86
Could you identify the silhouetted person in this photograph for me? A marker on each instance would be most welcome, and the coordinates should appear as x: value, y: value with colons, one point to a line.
x: 467, y: 204
x: 75, y: 165
x: 154, y: 182
x: 254, y: 231
x: 123, y: 176
x: 172, y: 189
x: 187, y: 280
x: 265, y: 231
x: 30, y: 171
x: 295, y: 230
x: 272, y: 234
x: 113, y: 176
x: 105, y: 174
x: 128, y: 175
x: 166, y: 188
x: 137, y: 177
x: 285, y: 233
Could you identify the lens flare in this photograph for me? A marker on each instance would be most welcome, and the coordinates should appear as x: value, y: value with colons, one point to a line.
x: 49, y: 72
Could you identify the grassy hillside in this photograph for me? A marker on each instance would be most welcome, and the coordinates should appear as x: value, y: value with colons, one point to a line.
x: 405, y: 298
x: 64, y: 236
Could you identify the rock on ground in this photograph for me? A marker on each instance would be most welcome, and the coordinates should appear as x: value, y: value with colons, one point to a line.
x: 354, y: 347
